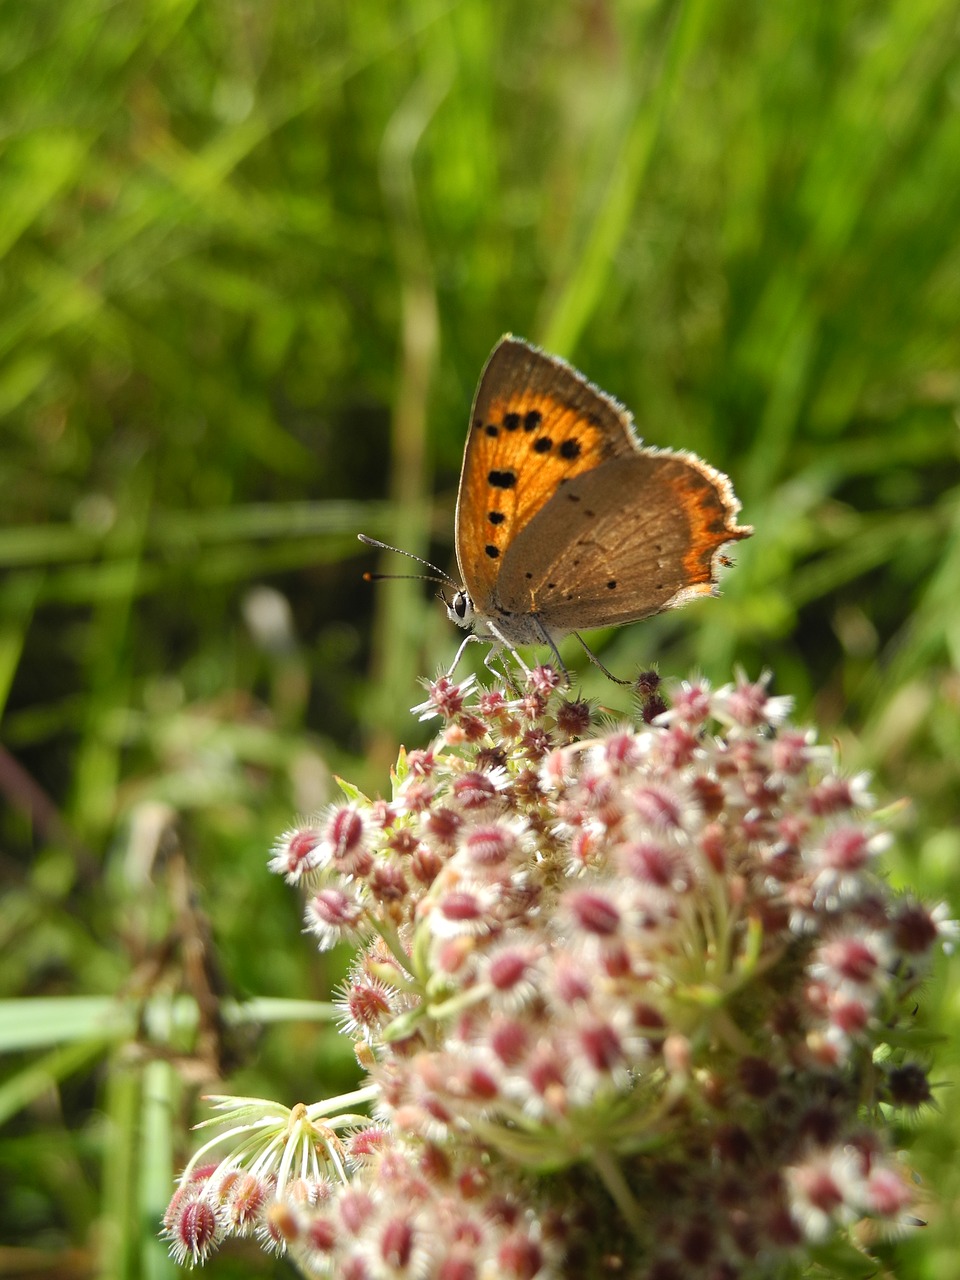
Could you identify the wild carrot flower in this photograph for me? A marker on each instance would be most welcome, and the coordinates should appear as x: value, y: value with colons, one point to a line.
x: 630, y: 1001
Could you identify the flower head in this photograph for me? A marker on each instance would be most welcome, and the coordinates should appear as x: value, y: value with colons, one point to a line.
x: 657, y: 963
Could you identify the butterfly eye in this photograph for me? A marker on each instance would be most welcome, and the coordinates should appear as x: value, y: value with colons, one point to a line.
x: 460, y: 610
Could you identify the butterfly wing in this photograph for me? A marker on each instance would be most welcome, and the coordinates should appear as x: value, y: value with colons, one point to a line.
x: 634, y: 536
x: 536, y: 424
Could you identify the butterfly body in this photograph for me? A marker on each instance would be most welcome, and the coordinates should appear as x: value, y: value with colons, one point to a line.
x: 565, y: 521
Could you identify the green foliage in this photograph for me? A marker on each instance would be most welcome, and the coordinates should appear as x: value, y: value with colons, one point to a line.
x: 253, y: 258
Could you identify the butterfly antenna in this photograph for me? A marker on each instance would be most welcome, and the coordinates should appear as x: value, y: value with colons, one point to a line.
x: 435, y: 575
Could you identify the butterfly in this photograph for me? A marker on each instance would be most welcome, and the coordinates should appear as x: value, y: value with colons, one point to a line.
x: 565, y: 521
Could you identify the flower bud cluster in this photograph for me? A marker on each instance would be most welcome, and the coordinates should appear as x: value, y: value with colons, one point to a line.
x: 657, y: 962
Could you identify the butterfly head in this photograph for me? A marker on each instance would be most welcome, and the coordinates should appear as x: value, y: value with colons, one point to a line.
x: 460, y: 609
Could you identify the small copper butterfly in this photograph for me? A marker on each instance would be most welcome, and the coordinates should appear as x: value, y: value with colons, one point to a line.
x: 565, y: 521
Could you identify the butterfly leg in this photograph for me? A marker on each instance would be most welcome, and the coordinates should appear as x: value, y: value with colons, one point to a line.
x: 501, y: 643
x: 597, y: 663
x: 548, y: 640
x: 510, y: 678
x: 459, y: 654
x: 495, y: 650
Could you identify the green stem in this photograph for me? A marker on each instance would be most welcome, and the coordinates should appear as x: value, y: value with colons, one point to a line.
x: 611, y: 1175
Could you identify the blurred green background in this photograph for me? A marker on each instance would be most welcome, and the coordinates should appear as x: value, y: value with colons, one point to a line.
x: 254, y: 255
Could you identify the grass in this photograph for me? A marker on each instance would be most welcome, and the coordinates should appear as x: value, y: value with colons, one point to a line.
x: 253, y: 259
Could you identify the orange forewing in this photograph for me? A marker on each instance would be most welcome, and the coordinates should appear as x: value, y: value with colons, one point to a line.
x: 536, y: 423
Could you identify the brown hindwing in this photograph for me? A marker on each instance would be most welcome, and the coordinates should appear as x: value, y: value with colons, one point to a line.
x: 634, y: 536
